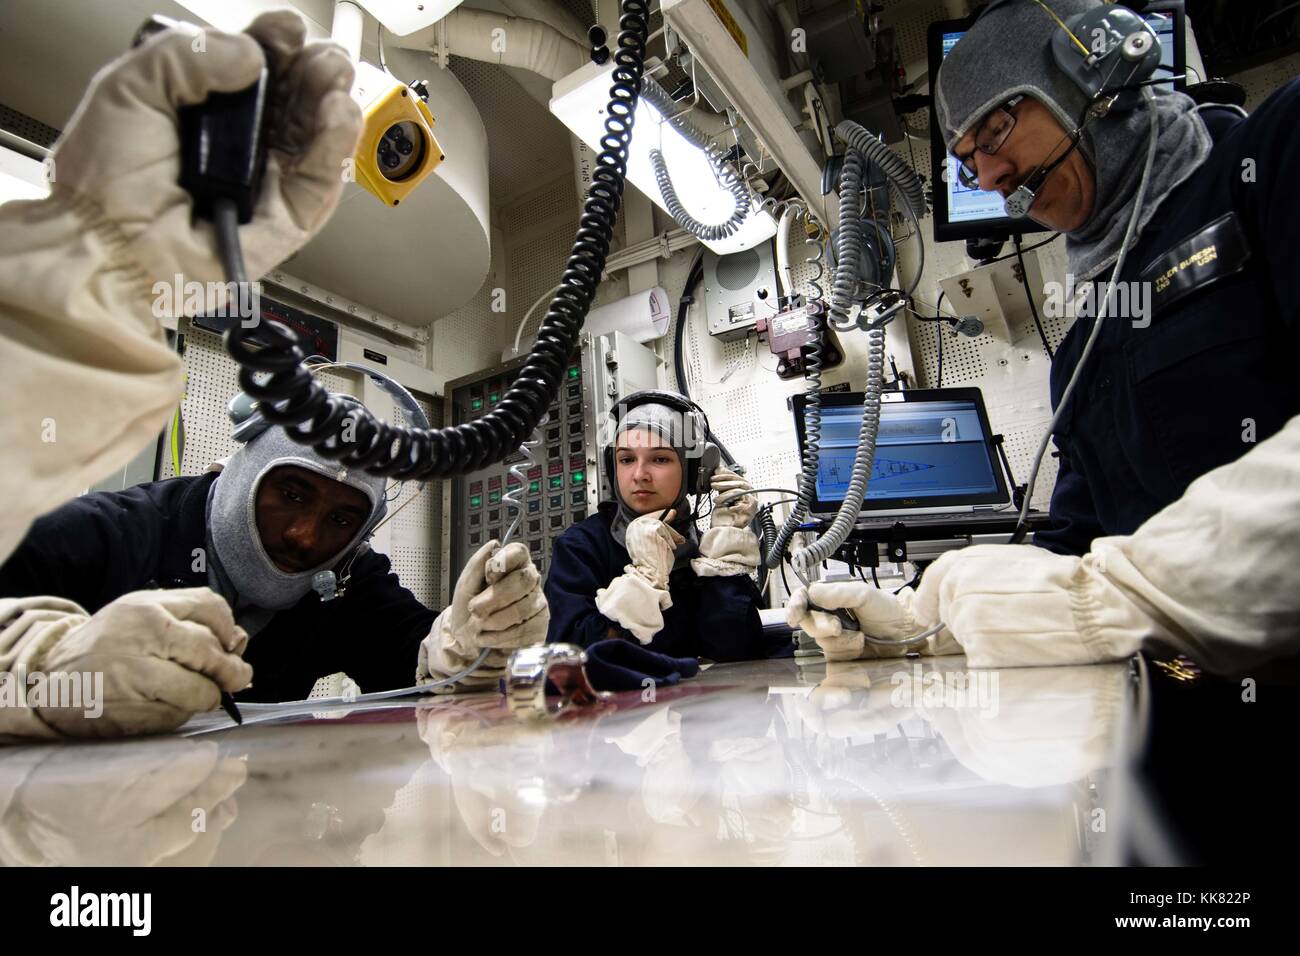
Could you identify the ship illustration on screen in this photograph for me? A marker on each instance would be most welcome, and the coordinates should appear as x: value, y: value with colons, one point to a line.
x: 882, y: 468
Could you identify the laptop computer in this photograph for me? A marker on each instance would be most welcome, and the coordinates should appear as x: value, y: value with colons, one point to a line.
x: 935, y: 463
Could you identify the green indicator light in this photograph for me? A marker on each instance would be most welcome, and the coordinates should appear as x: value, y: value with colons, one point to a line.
x: 494, y: 397
x: 475, y: 404
x: 577, y: 478
x: 573, y: 371
x: 557, y: 482
x: 534, y: 487
x: 476, y: 501
x: 494, y: 497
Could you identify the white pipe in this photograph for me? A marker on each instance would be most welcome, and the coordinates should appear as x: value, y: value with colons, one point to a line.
x: 551, y: 12
x: 784, y: 277
x: 661, y: 246
x: 349, y: 23
x: 790, y: 82
x: 509, y: 41
x: 787, y: 20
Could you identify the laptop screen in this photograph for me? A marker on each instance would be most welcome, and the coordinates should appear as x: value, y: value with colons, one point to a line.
x: 932, y: 449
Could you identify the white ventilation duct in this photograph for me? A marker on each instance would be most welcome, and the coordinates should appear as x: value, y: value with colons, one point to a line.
x: 534, y: 48
x: 549, y: 11
x: 508, y: 41
x: 349, y: 23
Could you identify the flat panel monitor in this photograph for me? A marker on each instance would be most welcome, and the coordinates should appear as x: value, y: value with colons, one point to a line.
x: 934, y: 452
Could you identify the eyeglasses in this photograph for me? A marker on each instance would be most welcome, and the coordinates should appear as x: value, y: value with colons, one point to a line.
x: 991, y: 133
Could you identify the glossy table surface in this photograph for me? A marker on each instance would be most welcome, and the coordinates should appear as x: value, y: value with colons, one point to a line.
x: 905, y: 762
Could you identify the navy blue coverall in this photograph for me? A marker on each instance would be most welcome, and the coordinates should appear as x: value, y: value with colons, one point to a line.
x: 713, y: 618
x: 1214, y: 372
x: 98, y: 547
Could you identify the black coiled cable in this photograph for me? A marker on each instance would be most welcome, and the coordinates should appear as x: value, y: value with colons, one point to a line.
x: 290, y: 396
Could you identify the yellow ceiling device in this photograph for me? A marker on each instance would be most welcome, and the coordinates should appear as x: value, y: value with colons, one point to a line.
x: 397, y: 150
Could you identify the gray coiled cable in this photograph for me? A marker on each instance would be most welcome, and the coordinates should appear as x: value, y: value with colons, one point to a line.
x: 899, y: 173
x: 812, y: 415
x: 655, y: 94
x: 843, y: 288
x: 513, y: 497
x: 848, y: 248
x: 901, y: 177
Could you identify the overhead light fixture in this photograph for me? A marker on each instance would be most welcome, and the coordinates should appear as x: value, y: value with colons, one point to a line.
x: 579, y: 100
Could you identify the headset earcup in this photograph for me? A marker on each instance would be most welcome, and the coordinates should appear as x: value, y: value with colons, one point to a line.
x: 1087, y: 28
x: 691, y: 475
x: 706, y: 465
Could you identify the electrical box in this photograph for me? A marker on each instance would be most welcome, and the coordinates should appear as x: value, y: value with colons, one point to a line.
x: 790, y: 333
x: 867, y: 97
x: 838, y: 39
x: 614, y: 366
x: 738, y: 290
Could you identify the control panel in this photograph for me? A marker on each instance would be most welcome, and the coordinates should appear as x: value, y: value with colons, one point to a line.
x: 561, y: 484
x: 553, y: 487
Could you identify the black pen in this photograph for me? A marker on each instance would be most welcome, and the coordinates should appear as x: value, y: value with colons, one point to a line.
x: 229, y: 706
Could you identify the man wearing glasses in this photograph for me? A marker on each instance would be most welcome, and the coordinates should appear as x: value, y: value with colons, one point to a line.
x: 1174, y: 513
x: 1197, y: 368
x: 1067, y: 170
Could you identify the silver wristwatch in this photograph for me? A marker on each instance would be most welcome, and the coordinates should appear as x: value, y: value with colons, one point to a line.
x: 564, y: 665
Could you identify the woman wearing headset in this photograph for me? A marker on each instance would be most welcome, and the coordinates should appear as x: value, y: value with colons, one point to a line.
x: 637, y: 568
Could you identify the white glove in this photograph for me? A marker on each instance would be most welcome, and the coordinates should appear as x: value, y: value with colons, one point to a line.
x: 880, y: 614
x: 846, y: 704
x: 162, y: 656
x: 498, y: 772
x: 498, y: 604
x: 637, y: 598
x: 1002, y: 606
x: 140, y: 811
x: 89, y: 378
x: 728, y: 548
x: 726, y: 552
x: 1018, y: 605
x: 650, y: 544
x: 669, y: 789
x: 120, y: 154
x: 1043, y: 727
x: 734, y: 512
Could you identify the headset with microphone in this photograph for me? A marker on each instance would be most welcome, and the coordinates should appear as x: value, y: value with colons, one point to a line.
x: 703, y: 454
x: 1123, y: 55
x: 249, y: 423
